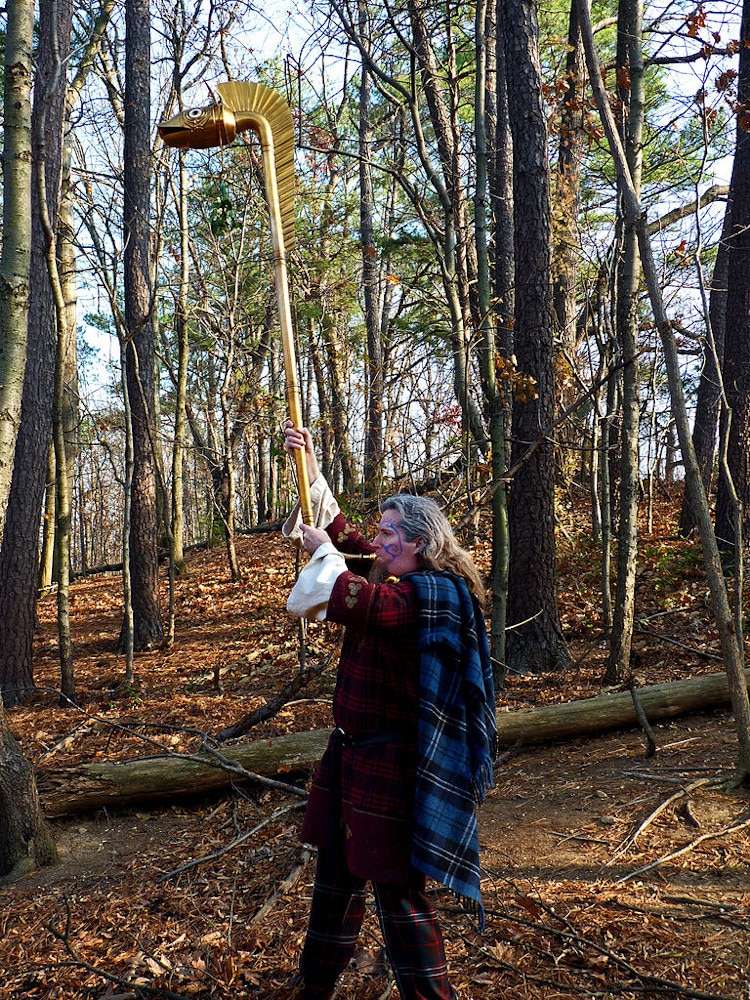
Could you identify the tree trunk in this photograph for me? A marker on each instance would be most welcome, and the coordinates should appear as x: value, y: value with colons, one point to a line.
x: 183, y: 353
x: 458, y: 245
x: 47, y: 551
x: 144, y: 564
x: 501, y: 202
x: 709, y: 387
x: 335, y: 354
x: 16, y: 244
x: 566, y: 242
x: 25, y: 841
x: 536, y: 642
x: 154, y: 779
x: 736, y: 368
x: 19, y: 556
x: 487, y: 80
x: 630, y: 69
x: 373, y: 462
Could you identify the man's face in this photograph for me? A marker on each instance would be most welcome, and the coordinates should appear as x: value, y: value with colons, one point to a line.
x: 393, y: 552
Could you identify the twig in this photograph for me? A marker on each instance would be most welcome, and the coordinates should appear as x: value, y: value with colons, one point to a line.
x: 675, y: 642
x: 629, y: 841
x: 642, y: 719
x: 229, y: 847
x: 275, y: 704
x: 285, y: 886
x: 725, y: 832
x: 137, y: 991
x: 232, y: 767
x: 652, y: 984
x: 572, y: 836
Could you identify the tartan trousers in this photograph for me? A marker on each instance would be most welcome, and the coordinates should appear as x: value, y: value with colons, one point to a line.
x: 413, y: 939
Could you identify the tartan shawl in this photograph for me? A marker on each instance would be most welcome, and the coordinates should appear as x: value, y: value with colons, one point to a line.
x: 457, y: 740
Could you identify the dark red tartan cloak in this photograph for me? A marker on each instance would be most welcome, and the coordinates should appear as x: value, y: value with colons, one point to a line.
x: 377, y: 689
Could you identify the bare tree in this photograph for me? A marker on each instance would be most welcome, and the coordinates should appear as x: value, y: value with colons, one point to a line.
x: 729, y: 635
x: 631, y: 95
x: 139, y: 321
x: 535, y: 642
x: 24, y: 837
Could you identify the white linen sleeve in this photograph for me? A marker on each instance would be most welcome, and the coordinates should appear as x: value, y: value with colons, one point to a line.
x: 312, y: 591
x: 324, y: 507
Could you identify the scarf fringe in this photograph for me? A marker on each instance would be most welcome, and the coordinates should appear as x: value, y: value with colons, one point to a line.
x: 483, y: 781
x: 473, y: 910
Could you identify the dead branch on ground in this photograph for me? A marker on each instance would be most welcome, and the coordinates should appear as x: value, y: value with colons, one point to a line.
x: 215, y: 855
x: 727, y: 831
x: 631, y: 839
x: 274, y: 705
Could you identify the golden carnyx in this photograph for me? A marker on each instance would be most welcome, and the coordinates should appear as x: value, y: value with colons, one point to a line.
x: 242, y: 106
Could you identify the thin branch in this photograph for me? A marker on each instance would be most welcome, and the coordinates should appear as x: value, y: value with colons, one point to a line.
x: 189, y: 865
x: 629, y: 841
x: 725, y: 832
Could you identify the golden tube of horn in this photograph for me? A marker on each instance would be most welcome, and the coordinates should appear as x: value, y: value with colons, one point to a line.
x: 241, y: 106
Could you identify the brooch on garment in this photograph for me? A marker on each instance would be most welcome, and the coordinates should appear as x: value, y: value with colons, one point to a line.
x: 353, y: 596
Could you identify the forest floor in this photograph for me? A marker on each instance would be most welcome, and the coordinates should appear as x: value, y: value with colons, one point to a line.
x: 577, y: 905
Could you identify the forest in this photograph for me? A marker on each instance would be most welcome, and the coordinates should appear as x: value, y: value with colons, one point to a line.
x: 491, y: 253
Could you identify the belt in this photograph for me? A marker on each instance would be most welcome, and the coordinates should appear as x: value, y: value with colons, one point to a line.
x: 341, y: 740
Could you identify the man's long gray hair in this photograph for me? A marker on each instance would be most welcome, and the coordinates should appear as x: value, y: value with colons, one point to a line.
x: 421, y: 517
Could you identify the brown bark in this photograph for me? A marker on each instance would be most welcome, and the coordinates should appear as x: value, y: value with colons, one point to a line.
x: 630, y: 68
x: 736, y: 368
x: 25, y: 841
x: 145, y: 779
x: 536, y: 643
x: 708, y: 400
x: 19, y: 558
x: 147, y: 625
x: 566, y: 242
x: 373, y: 462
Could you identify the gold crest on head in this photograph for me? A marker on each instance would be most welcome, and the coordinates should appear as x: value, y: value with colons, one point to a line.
x: 200, y: 128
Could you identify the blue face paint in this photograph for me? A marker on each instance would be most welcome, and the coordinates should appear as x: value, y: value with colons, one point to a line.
x: 393, y: 550
x: 394, y: 546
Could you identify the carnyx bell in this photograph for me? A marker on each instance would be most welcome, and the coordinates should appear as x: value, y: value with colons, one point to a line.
x: 241, y: 106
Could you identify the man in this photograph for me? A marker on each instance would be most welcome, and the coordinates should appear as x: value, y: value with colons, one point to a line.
x: 394, y: 796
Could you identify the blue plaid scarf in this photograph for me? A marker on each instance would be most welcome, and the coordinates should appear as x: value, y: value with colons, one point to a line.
x: 457, y: 740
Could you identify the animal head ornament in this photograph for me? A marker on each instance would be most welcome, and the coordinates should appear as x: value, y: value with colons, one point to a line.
x: 240, y: 106
x: 200, y: 128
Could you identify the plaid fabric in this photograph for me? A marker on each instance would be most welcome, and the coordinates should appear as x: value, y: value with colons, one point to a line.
x: 457, y: 734
x: 413, y: 939
x: 336, y: 914
x: 377, y: 689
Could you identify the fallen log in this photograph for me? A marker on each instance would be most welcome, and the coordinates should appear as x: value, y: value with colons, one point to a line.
x: 614, y: 711
x: 161, y: 778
